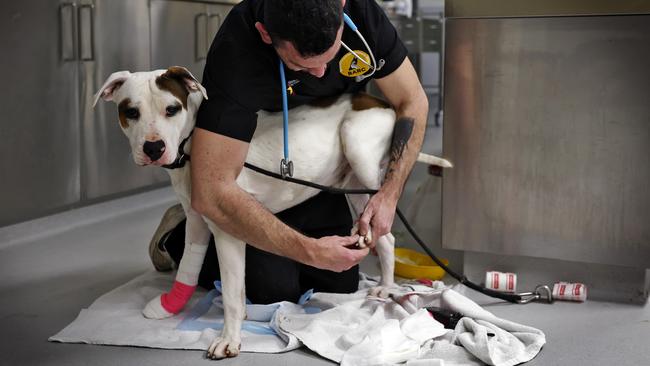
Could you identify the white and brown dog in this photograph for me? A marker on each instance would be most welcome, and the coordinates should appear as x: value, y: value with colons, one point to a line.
x: 157, y: 112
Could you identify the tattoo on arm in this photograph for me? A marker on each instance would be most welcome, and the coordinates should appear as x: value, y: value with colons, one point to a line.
x: 401, y: 135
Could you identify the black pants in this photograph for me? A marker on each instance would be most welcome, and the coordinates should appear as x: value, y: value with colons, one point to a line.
x: 271, y: 278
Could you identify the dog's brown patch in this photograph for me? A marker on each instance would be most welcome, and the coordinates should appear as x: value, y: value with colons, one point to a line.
x: 173, y: 80
x: 363, y: 101
x: 121, y: 108
x: 323, y: 102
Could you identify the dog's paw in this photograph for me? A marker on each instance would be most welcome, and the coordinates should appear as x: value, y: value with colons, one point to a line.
x: 155, y: 310
x: 363, y: 240
x: 381, y: 291
x: 223, y: 347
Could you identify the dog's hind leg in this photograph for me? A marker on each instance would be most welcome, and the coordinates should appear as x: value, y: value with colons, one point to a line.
x: 197, y: 236
x: 385, y: 248
x: 231, y: 253
x: 365, y: 136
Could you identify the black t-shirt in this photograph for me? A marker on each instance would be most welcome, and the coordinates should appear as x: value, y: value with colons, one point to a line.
x: 242, y: 74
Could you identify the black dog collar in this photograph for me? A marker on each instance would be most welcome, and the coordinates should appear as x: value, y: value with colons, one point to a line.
x: 181, y: 157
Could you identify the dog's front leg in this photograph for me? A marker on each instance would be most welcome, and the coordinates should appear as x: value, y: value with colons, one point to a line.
x: 231, y: 253
x: 197, y: 236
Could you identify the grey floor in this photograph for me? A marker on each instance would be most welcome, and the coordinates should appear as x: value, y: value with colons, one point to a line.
x: 53, y: 267
x: 47, y: 280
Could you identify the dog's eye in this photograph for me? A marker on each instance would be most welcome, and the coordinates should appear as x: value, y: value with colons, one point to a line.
x: 172, y: 110
x: 132, y: 113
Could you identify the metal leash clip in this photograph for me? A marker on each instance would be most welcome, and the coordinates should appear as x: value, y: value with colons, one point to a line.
x: 542, y: 292
x: 286, y: 168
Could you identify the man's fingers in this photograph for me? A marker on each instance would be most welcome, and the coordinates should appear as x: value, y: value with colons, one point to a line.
x: 359, y: 254
x: 351, y: 239
x: 364, y: 221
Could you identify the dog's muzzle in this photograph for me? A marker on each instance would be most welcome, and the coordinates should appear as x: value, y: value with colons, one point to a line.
x: 154, y: 149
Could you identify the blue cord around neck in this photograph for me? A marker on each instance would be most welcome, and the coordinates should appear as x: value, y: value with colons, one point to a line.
x: 285, y: 110
x: 283, y: 87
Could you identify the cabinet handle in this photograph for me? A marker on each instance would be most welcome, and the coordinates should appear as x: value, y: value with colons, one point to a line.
x: 216, y: 29
x: 67, y: 42
x: 200, y: 52
x: 88, y: 9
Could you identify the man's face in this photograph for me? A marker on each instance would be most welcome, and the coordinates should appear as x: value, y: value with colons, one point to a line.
x: 314, y: 65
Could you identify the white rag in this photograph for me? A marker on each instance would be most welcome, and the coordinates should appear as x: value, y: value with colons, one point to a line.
x: 357, y: 330
x: 351, y: 329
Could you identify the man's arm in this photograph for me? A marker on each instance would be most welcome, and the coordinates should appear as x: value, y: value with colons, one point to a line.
x: 403, y: 90
x: 216, y: 163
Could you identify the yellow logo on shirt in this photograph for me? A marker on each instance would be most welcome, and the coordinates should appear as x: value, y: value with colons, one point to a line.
x: 351, y: 66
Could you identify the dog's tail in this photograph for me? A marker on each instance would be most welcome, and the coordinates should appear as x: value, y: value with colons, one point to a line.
x: 434, y: 160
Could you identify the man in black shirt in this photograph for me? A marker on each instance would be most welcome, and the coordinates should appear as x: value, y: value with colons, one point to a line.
x: 306, y: 246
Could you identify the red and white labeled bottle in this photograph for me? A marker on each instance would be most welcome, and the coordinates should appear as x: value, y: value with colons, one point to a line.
x: 570, y: 291
x: 499, y: 281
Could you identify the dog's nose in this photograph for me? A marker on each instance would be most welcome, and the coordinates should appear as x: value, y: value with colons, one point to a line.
x: 154, y: 149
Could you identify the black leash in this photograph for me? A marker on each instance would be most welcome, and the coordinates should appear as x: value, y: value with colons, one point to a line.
x: 182, y: 158
x: 513, y: 298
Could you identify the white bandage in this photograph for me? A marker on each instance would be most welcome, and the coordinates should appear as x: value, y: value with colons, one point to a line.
x: 191, y: 263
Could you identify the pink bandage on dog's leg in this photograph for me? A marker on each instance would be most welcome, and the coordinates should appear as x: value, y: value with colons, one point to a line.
x: 175, y: 300
x: 186, y: 278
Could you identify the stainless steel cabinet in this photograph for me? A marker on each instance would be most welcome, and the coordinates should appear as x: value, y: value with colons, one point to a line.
x: 546, y: 121
x: 178, y: 35
x: 181, y: 33
x: 58, y: 152
x: 114, y: 35
x: 216, y: 15
x: 422, y: 36
x: 39, y: 128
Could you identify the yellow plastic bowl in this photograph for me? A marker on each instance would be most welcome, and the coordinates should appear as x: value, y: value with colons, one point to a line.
x: 415, y: 265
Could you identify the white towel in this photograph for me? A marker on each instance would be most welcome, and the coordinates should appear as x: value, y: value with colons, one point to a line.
x: 116, y: 319
x: 355, y: 330
x: 494, y: 340
x: 352, y: 329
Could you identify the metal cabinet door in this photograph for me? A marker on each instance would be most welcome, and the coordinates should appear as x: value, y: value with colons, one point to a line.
x: 39, y: 127
x: 179, y: 35
x: 217, y: 13
x: 546, y: 122
x: 114, y: 36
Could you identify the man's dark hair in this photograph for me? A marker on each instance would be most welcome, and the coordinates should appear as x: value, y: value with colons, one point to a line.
x: 310, y: 25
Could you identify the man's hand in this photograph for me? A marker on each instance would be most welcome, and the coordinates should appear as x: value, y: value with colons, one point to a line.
x: 335, y: 253
x: 403, y: 90
x: 377, y: 218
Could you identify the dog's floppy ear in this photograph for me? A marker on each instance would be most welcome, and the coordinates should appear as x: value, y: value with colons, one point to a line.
x: 185, y: 77
x: 111, y: 85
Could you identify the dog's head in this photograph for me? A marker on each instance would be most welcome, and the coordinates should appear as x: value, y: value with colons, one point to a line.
x: 157, y: 110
